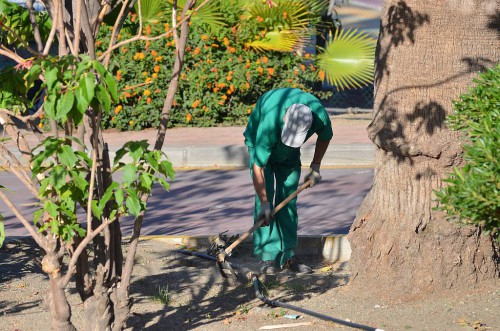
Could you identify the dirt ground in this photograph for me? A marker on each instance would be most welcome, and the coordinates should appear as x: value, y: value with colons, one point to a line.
x: 173, y: 291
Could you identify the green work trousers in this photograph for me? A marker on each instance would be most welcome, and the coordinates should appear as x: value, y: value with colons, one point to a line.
x: 278, y: 240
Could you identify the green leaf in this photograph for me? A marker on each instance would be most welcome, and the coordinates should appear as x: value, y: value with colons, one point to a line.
x: 51, y: 209
x: 112, y: 215
x: 96, y: 211
x: 37, y: 215
x: 109, y: 193
x: 104, y: 98
x: 67, y: 156
x: 119, y: 196
x: 119, y: 155
x: 167, y: 169
x: 99, y: 67
x: 112, y: 85
x: 81, y: 183
x: 51, y: 78
x: 81, y: 101
x: 129, y: 173
x: 133, y: 203
x: 152, y: 161
x: 43, y: 187
x: 137, y: 148
x: 64, y: 106
x: 80, y: 230
x: 58, y: 176
x: 50, y: 105
x: 146, y: 181
x: 280, y: 41
x: 163, y: 183
x: 87, y: 87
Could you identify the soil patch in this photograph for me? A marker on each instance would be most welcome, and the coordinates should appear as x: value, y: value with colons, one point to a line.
x: 172, y: 291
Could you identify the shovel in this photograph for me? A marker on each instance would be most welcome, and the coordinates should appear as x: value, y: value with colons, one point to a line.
x: 221, y: 256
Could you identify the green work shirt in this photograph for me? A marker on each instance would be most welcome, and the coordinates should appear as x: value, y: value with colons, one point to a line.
x: 263, y: 131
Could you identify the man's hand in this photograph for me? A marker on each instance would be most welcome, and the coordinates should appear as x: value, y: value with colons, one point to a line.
x: 313, y: 174
x: 265, y: 213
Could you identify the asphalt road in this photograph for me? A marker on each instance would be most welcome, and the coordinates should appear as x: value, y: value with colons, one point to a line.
x: 206, y: 202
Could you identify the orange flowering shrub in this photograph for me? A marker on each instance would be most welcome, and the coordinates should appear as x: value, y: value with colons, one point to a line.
x: 221, y: 78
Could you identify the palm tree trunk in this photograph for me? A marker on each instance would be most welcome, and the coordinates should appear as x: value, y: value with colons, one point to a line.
x: 427, y: 55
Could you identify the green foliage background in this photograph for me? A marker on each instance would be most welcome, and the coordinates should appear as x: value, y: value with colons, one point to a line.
x: 472, y: 195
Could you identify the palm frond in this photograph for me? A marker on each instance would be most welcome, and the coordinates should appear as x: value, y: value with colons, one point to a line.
x: 281, y: 41
x: 151, y: 10
x: 318, y: 7
x: 210, y: 15
x: 285, y: 26
x: 348, y: 60
x: 286, y: 14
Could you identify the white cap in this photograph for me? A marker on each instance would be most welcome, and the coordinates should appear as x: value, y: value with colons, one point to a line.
x: 298, y: 120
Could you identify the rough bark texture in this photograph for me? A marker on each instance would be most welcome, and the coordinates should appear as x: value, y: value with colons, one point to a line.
x: 427, y: 54
x: 60, y: 310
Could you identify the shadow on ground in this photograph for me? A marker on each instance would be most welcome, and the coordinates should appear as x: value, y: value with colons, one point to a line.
x: 188, y: 292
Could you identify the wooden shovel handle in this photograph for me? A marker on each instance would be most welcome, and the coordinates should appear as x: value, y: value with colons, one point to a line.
x: 275, y: 210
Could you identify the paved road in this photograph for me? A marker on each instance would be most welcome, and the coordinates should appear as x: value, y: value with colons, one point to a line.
x: 205, y: 202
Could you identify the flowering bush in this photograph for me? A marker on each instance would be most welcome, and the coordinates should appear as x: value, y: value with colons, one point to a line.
x: 222, y: 80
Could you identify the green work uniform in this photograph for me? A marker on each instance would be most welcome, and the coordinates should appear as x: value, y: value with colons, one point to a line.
x: 281, y: 165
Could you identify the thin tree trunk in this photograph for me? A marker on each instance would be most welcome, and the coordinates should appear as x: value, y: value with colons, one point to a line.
x: 98, y: 308
x: 174, y: 80
x: 427, y: 55
x: 60, y: 310
x: 120, y: 296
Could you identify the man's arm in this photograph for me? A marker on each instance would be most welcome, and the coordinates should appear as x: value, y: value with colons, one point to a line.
x: 259, y: 183
x: 320, y: 150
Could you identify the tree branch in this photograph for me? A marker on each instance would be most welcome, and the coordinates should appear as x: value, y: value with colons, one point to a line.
x: 17, y: 137
x: 117, y: 27
x: 20, y: 174
x: 90, y: 235
x: 59, y: 21
x: 36, y: 30
x: 21, y: 40
x: 24, y: 119
x: 77, y: 31
x: 174, y: 81
x: 174, y: 24
x: 91, y: 190
x: 31, y: 228
x: 137, y: 38
x: 11, y: 55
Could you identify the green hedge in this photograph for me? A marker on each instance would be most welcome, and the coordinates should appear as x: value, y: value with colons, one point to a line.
x: 472, y: 193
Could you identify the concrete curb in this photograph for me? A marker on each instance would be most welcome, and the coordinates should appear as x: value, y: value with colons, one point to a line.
x: 332, y: 248
x: 237, y: 156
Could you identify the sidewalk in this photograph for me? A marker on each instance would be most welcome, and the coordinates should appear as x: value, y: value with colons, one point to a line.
x: 224, y: 146
x: 189, y: 147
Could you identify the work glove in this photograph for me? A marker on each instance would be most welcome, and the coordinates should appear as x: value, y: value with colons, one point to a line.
x: 313, y: 174
x: 265, y: 213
